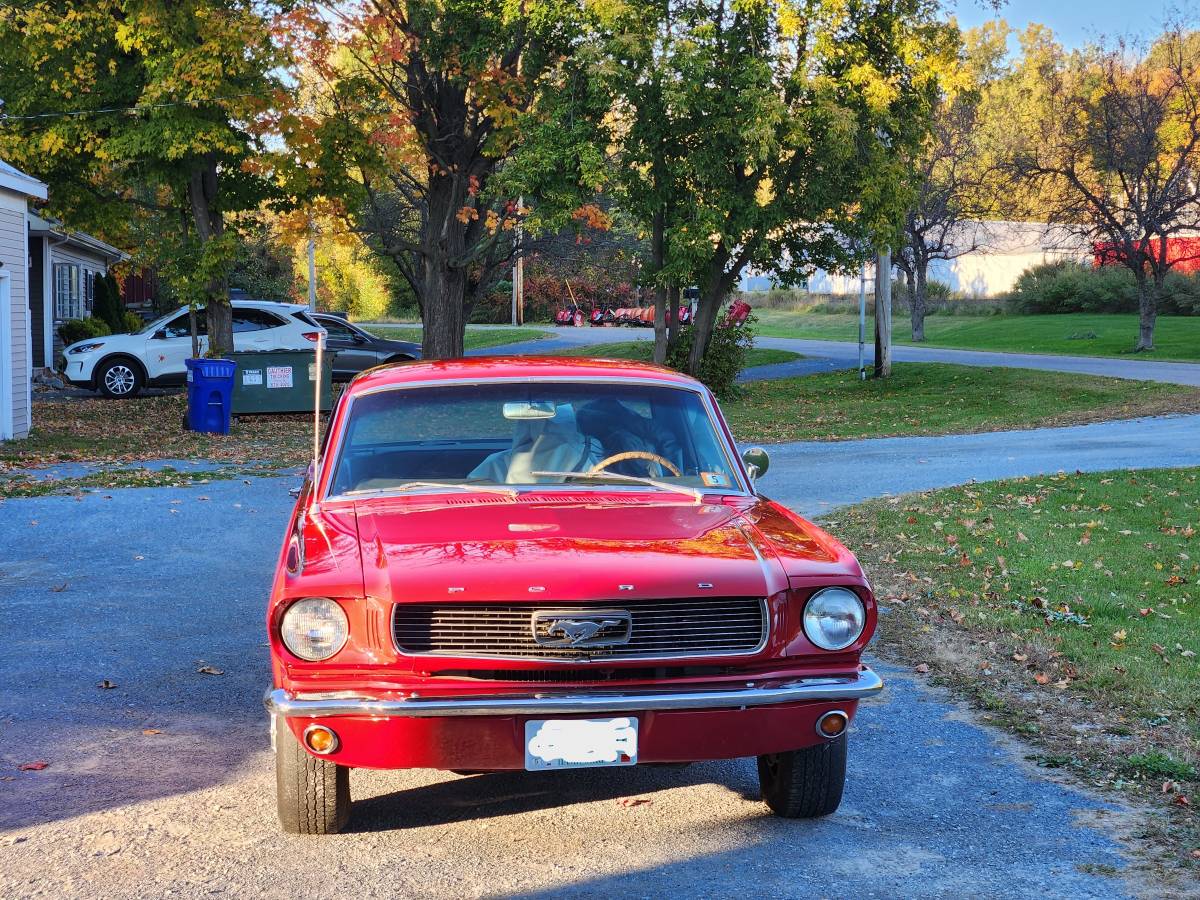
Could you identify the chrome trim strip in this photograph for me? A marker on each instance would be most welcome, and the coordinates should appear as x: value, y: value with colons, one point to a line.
x: 857, y: 687
x: 732, y: 458
x: 578, y: 661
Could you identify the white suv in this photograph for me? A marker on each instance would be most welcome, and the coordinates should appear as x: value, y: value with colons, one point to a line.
x: 120, y: 365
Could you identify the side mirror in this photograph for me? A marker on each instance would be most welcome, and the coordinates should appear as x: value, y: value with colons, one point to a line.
x: 757, y: 462
x: 358, y: 339
x: 160, y: 335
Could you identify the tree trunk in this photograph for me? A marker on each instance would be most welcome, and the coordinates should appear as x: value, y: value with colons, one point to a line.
x: 443, y: 316
x: 916, y: 300
x: 443, y: 306
x: 713, y: 294
x: 661, y: 300
x: 1147, y: 311
x: 210, y: 227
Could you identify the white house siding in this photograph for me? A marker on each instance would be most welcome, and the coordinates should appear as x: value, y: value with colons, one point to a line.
x: 88, y: 262
x: 1003, y: 251
x: 13, y: 255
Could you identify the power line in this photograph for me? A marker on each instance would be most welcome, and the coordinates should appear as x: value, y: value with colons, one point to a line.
x: 73, y: 113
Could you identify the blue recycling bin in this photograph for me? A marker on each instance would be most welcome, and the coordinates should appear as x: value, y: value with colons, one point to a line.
x: 210, y: 394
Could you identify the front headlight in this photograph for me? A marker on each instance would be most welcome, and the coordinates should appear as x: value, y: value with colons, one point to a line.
x: 314, y: 628
x: 834, y: 618
x: 86, y: 348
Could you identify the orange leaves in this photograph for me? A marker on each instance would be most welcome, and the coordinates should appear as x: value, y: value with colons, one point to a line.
x: 467, y: 214
x: 592, y: 216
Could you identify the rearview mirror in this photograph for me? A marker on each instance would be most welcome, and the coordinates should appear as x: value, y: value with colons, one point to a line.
x: 531, y: 409
x: 757, y: 462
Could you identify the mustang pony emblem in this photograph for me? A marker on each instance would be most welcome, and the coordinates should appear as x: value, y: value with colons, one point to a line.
x: 607, y: 628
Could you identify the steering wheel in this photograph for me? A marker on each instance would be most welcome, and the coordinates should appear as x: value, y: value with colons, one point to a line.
x: 662, y: 462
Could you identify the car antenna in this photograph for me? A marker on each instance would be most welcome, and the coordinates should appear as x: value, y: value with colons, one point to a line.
x: 316, y: 445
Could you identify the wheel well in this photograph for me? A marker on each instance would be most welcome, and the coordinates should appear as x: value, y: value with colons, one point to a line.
x: 137, y: 364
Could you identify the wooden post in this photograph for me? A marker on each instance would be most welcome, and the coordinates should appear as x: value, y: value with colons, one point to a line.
x: 883, y: 314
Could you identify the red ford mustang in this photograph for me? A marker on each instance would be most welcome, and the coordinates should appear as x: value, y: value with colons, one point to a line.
x: 549, y: 564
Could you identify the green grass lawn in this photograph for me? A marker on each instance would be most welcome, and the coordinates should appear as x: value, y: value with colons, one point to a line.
x: 1176, y: 337
x: 1066, y: 607
x: 474, y: 339
x: 643, y: 350
x: 934, y: 398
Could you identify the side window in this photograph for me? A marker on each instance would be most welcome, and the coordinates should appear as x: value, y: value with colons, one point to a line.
x: 337, y: 330
x: 249, y: 319
x: 178, y: 327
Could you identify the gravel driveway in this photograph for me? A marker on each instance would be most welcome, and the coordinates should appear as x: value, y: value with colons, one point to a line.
x: 164, y: 783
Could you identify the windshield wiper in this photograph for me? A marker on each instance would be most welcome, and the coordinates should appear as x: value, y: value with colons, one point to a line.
x: 696, y: 496
x: 437, y: 485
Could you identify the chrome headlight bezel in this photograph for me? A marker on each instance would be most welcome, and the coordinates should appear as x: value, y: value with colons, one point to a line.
x: 314, y: 629
x: 837, y: 604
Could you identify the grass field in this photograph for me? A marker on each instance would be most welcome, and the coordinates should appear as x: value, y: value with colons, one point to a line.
x: 474, y: 339
x: 1176, y: 337
x: 643, y: 350
x: 1067, y: 607
x: 932, y: 398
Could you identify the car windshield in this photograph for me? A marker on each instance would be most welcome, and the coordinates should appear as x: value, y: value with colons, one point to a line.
x: 627, y: 436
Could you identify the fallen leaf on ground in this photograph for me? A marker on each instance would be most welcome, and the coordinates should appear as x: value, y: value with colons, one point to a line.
x: 633, y: 801
x: 1182, y: 800
x: 33, y: 766
x: 149, y: 731
x: 210, y: 670
x: 59, y: 588
x: 1041, y: 678
x: 106, y: 684
x: 1019, y: 657
x: 1146, y: 611
x: 1169, y: 787
x: 922, y: 669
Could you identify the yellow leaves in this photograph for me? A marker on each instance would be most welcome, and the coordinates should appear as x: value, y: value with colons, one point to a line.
x: 1118, y: 639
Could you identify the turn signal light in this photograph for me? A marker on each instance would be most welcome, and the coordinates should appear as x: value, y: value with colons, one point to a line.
x: 832, y: 724
x: 320, y: 739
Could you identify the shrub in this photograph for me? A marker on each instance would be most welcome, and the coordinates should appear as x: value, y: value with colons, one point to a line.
x: 936, y: 292
x: 1067, y: 287
x: 106, y: 303
x: 74, y: 330
x: 133, y: 322
x: 724, y: 357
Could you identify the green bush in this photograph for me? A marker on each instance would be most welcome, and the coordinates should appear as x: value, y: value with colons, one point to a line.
x: 1067, y: 287
x: 133, y: 323
x: 724, y: 357
x: 936, y: 292
x: 74, y: 330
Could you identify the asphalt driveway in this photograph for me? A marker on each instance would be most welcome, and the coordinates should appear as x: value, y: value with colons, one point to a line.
x: 164, y: 782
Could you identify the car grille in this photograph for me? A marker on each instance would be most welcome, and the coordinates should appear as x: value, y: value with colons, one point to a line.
x: 708, y: 626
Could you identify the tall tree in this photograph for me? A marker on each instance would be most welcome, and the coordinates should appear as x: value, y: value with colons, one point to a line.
x: 953, y: 182
x: 418, y: 105
x: 1113, y: 145
x: 142, y: 118
x: 783, y: 129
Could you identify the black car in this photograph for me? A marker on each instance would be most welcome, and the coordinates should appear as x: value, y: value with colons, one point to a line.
x: 358, y: 350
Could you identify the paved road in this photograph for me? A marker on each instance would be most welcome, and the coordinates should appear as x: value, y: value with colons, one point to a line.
x: 829, y: 356
x: 936, y: 806
x: 816, y: 476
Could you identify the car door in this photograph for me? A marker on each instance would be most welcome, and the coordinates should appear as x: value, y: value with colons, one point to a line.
x: 354, y: 353
x: 170, y: 345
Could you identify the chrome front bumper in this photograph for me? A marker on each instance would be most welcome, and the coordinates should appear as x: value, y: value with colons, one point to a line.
x: 860, y: 686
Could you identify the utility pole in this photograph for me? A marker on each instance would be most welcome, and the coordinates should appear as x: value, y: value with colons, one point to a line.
x: 883, y: 314
x: 862, y: 323
x: 518, y: 290
x: 312, y: 272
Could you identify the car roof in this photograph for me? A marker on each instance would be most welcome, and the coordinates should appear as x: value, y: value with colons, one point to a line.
x: 269, y: 304
x: 489, y: 368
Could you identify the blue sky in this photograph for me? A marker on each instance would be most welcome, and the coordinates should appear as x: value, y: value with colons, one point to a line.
x: 1074, y: 22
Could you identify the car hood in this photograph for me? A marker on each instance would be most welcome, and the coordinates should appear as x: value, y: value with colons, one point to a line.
x: 479, y: 548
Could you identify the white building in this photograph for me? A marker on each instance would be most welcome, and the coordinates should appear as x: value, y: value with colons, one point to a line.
x: 996, y: 253
x: 16, y: 401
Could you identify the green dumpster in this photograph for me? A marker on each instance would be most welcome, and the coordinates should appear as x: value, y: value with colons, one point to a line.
x: 280, y: 381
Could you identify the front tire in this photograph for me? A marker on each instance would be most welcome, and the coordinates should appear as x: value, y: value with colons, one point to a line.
x: 119, y: 379
x: 804, y: 784
x: 313, y: 794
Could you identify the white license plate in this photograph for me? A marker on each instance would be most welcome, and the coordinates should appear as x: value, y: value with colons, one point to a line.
x: 580, y: 743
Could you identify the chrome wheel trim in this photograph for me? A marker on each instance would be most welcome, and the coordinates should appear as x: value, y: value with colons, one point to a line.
x: 119, y: 379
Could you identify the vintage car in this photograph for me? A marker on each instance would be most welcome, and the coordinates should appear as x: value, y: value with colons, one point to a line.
x: 542, y: 564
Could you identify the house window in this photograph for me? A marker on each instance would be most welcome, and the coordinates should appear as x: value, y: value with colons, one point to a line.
x: 68, y: 293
